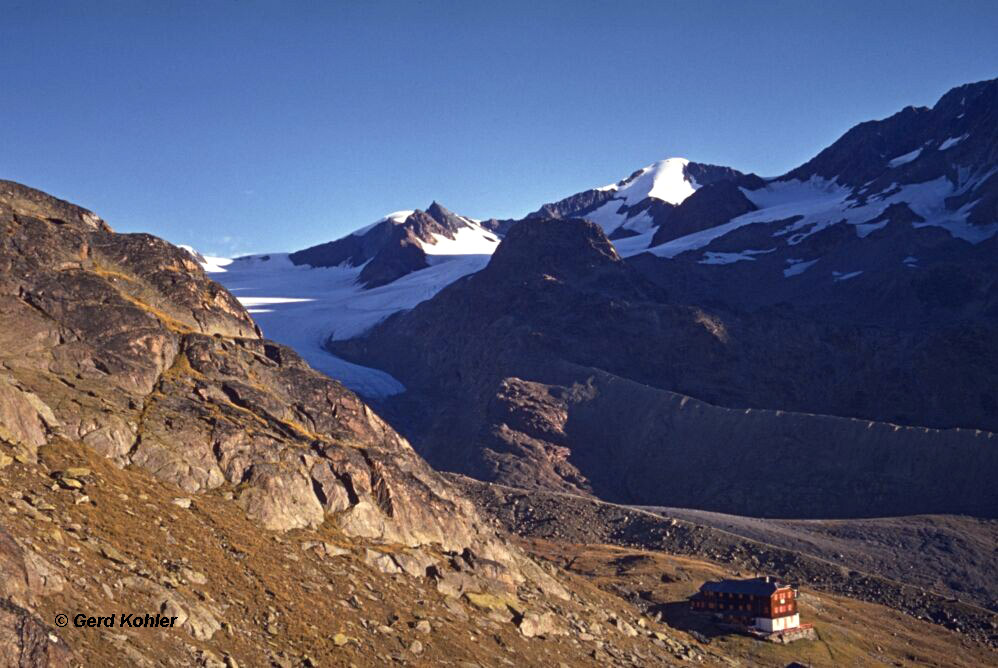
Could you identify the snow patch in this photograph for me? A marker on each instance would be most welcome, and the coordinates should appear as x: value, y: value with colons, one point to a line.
x: 905, y: 159
x: 606, y: 216
x: 864, y: 230
x: 215, y: 265
x: 640, y: 223
x: 252, y: 304
x: 470, y: 240
x: 839, y: 276
x: 797, y: 267
x: 952, y: 141
x: 635, y: 244
x: 818, y: 200
x: 664, y: 180
x: 820, y: 203
x: 712, y: 257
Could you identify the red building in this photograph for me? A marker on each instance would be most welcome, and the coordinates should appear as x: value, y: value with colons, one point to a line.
x: 762, y: 604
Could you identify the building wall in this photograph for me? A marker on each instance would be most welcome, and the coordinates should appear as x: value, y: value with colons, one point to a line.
x: 777, y: 623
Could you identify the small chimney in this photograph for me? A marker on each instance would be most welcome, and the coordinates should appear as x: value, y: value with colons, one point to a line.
x: 767, y: 578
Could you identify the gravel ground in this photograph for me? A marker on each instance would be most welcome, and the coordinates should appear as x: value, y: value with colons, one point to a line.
x: 952, y: 555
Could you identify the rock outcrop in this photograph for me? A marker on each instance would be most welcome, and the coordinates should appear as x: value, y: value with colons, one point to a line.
x: 25, y: 640
x: 121, y: 343
x: 709, y: 206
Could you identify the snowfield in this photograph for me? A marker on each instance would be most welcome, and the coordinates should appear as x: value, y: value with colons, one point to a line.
x: 823, y: 203
x: 470, y: 240
x: 303, y: 307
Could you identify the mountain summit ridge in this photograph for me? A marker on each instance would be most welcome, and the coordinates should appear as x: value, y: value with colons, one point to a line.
x: 909, y: 245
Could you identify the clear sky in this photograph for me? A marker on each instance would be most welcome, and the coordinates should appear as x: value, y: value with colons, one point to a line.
x: 243, y: 126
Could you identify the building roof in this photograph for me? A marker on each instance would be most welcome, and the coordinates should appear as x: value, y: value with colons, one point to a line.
x: 763, y: 586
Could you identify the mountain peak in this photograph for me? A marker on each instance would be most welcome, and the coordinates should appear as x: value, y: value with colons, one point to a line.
x: 445, y: 217
x: 968, y: 93
x: 664, y: 180
x: 28, y: 201
x: 644, y: 200
x: 554, y: 246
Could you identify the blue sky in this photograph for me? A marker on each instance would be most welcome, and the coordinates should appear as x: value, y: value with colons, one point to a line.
x: 260, y: 126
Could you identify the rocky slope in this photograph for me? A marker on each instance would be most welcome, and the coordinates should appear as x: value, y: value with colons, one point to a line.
x: 899, y: 276
x: 118, y: 345
x: 849, y: 632
x: 121, y: 343
x: 820, y: 344
x: 124, y: 541
x: 157, y: 456
x: 892, y: 225
x: 82, y: 536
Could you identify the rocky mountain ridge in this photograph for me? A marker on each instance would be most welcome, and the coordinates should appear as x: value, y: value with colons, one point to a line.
x: 951, y: 143
x: 875, y: 231
x: 393, y: 247
x: 645, y: 200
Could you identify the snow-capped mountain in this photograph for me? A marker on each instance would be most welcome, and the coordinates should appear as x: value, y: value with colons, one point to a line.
x: 931, y: 167
x: 641, y: 203
x: 891, y: 208
x: 401, y: 243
